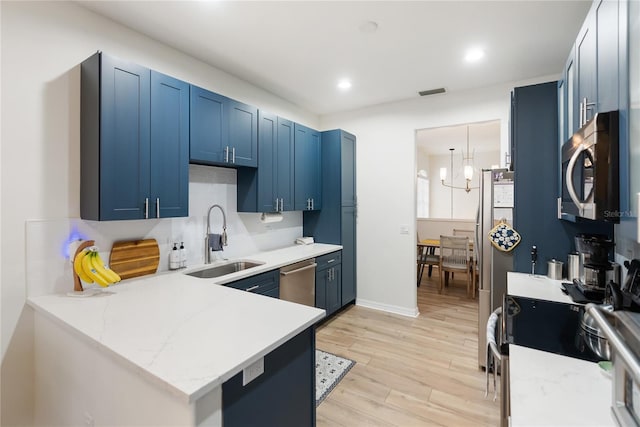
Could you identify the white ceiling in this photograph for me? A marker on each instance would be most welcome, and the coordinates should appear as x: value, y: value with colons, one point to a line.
x: 483, y: 137
x: 299, y: 50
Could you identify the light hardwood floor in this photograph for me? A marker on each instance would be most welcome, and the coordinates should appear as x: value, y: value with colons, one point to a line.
x: 409, y: 372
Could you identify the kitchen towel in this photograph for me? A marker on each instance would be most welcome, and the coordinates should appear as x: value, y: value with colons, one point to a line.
x: 215, y: 242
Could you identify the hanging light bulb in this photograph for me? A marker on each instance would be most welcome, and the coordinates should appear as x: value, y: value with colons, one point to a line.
x: 443, y: 174
x: 468, y: 172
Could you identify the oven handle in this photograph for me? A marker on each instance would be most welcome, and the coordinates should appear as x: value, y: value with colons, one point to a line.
x: 569, y: 176
x: 615, y: 340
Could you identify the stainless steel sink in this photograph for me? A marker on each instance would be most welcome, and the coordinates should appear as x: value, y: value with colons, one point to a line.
x: 224, y: 269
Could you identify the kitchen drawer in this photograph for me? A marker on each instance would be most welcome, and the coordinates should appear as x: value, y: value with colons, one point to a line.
x: 329, y: 260
x: 265, y: 283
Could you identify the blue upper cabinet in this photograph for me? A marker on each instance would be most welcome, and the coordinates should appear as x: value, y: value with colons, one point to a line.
x: 307, y: 169
x: 134, y: 138
x: 224, y: 132
x: 209, y: 132
x: 608, y: 60
x: 284, y: 164
x: 270, y: 187
x: 586, y: 88
x: 594, y: 65
x: 169, y: 146
x: 243, y: 134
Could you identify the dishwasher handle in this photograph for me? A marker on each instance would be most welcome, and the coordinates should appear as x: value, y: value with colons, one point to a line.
x: 286, y: 273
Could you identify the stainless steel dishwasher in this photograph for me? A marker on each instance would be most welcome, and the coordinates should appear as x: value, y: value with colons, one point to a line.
x: 298, y: 282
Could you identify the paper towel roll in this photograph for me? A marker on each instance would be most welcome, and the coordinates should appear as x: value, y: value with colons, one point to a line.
x: 268, y: 217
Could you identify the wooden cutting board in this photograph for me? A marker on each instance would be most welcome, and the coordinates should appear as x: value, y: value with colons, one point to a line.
x: 134, y: 258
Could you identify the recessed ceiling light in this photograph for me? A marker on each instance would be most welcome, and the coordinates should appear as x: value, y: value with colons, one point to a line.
x: 474, y: 55
x: 344, y: 84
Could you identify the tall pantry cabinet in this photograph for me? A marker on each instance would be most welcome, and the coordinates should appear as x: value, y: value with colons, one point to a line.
x: 336, y: 222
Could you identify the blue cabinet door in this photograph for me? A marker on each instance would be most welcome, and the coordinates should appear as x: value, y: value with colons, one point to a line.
x: 348, y: 169
x: 169, y: 146
x: 124, y: 139
x: 284, y: 161
x: 334, y: 289
x: 348, y: 228
x: 209, y: 131
x: 267, y: 141
x: 307, y: 169
x: 607, y: 56
x: 243, y: 134
x: 586, y: 70
x: 269, y: 188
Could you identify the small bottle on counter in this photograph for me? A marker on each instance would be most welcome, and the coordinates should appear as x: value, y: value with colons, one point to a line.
x: 174, y: 258
x: 183, y: 256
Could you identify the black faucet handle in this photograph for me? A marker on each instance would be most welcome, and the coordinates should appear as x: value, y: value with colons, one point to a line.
x: 534, y: 254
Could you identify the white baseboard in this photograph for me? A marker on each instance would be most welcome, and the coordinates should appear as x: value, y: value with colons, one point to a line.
x: 403, y: 311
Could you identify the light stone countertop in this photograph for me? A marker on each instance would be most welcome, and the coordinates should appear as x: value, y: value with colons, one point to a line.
x: 186, y: 334
x: 536, y: 287
x: 552, y: 390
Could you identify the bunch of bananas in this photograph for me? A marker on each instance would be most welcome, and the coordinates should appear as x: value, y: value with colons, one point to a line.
x: 90, y: 268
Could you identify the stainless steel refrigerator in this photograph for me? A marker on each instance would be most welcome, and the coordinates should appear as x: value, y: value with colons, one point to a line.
x: 496, y: 204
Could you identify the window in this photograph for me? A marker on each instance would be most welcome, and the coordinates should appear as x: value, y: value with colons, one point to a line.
x: 423, y: 197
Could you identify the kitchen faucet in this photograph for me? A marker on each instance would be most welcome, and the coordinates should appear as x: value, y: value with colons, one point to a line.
x: 208, y: 237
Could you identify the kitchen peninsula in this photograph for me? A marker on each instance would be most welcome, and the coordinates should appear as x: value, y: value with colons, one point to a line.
x: 548, y: 388
x: 160, y: 350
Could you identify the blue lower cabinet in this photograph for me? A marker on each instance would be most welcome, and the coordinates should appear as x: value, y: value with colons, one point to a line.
x: 284, y: 395
x: 265, y: 284
x: 329, y: 282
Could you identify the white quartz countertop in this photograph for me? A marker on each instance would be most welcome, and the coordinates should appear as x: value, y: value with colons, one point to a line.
x: 536, y: 287
x: 552, y: 390
x: 187, y: 334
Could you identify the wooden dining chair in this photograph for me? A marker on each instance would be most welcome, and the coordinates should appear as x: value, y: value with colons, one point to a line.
x: 455, y: 257
x: 425, y: 258
x: 464, y: 232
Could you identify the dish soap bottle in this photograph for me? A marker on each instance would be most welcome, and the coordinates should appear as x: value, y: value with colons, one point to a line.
x: 183, y: 256
x: 174, y: 258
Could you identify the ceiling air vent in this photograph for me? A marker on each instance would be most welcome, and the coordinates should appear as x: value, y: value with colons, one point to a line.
x: 432, y: 91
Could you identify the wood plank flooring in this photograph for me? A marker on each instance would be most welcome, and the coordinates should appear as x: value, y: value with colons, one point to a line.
x: 409, y: 372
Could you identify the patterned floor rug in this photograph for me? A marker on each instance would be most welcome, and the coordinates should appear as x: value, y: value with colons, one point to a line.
x: 330, y: 369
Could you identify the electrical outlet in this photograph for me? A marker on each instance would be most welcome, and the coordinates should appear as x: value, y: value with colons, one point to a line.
x: 252, y: 371
x: 404, y: 229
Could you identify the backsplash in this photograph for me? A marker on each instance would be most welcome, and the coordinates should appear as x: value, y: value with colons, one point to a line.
x: 49, y: 272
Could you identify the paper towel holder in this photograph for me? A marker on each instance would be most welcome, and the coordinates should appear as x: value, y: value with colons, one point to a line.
x: 268, y: 217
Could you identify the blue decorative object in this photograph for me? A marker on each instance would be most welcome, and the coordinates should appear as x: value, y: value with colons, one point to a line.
x: 504, y: 238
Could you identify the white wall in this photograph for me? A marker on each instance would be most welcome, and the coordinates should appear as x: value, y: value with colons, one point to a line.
x: 42, y: 45
x: 464, y: 204
x: 386, y: 175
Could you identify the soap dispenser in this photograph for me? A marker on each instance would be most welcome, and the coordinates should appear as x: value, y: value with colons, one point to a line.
x: 183, y: 256
x: 174, y: 258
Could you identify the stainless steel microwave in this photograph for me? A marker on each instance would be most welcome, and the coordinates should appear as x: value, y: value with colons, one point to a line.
x: 590, y: 171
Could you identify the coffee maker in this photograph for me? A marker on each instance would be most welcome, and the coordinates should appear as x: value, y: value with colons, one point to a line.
x: 595, y: 268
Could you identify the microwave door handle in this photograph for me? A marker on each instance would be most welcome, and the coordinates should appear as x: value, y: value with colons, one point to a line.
x: 569, y: 177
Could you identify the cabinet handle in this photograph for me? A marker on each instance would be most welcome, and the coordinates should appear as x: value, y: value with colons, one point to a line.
x: 226, y: 154
x: 276, y: 208
x: 157, y: 207
x: 311, y: 204
x: 330, y: 261
x: 281, y: 204
x: 253, y: 288
x: 146, y: 208
x: 233, y: 155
